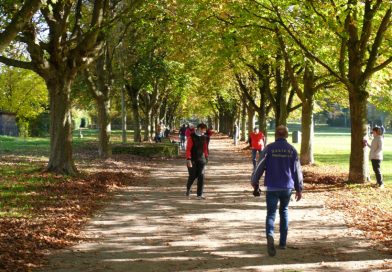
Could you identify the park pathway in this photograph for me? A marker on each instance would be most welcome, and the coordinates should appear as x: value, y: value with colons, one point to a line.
x: 156, y: 228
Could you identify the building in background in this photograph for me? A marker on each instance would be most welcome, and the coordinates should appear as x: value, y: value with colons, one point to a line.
x: 8, y: 124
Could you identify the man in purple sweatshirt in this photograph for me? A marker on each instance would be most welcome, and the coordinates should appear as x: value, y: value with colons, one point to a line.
x: 283, y: 174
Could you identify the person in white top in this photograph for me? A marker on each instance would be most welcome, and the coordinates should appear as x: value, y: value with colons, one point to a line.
x: 376, y: 155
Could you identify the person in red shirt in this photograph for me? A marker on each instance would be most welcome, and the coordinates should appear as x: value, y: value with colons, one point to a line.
x: 190, y: 129
x: 257, y: 142
x: 197, y: 157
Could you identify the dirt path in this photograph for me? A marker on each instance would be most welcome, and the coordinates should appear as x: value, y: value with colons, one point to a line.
x: 155, y: 228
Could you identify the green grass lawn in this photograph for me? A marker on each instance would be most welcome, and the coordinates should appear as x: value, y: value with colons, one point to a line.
x: 333, y: 149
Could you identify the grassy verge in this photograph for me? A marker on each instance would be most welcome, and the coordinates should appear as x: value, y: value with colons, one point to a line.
x: 40, y: 211
x: 366, y: 207
x: 333, y: 149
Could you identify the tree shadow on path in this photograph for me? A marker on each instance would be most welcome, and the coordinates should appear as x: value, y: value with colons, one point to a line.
x: 154, y: 227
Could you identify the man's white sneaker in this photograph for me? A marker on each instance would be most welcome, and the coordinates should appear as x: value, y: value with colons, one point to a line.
x: 201, y: 197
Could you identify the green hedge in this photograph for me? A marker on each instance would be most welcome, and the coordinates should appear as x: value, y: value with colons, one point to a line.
x: 148, y: 149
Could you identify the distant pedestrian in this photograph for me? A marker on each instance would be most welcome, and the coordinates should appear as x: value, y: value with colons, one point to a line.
x: 376, y: 154
x: 182, y: 136
x: 190, y: 129
x: 197, y: 158
x: 257, y: 143
x: 167, y: 132
x: 158, y: 134
x: 283, y: 174
x: 382, y: 130
x: 235, y: 134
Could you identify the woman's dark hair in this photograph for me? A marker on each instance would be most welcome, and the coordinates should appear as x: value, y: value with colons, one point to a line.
x: 202, y: 126
x: 376, y: 129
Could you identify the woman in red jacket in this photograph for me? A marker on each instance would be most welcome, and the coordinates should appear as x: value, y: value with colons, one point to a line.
x: 257, y: 142
x: 197, y: 157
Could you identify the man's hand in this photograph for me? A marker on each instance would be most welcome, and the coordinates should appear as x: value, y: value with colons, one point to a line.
x: 298, y: 196
x: 257, y: 191
x: 189, y: 163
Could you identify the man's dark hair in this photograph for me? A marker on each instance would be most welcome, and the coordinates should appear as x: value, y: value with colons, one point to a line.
x: 281, y: 132
x: 377, y: 129
x: 202, y: 126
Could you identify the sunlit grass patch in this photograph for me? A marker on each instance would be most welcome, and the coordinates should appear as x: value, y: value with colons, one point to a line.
x: 20, y: 186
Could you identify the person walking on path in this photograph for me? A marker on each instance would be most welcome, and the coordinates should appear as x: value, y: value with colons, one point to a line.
x: 256, y: 142
x: 182, y: 137
x: 283, y: 174
x: 235, y: 134
x: 376, y: 154
x: 197, y: 157
x: 190, y: 129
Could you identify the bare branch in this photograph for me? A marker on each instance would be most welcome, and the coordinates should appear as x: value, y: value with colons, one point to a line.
x: 295, y: 107
x: 18, y: 22
x: 382, y: 65
x: 289, y: 66
x: 17, y: 63
x: 245, y: 91
x: 376, y: 45
x: 307, y: 51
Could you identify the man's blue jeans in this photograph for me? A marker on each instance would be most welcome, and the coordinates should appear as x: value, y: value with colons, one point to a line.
x: 273, y: 197
x: 254, y: 160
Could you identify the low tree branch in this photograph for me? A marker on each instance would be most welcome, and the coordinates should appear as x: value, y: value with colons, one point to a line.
x: 17, y: 63
x: 18, y: 22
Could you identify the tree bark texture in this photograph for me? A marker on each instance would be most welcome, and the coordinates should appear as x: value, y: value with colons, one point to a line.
x: 123, y: 118
x: 60, y: 158
x: 243, y: 121
x: 104, y: 149
x: 306, y: 154
x: 133, y: 93
x: 251, y: 118
x: 358, y: 160
x: 307, y: 125
x: 147, y: 125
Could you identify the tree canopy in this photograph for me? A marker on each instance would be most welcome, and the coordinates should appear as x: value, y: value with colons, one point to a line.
x: 223, y: 62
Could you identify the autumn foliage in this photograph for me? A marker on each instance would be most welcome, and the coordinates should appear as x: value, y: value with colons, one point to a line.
x: 59, y: 207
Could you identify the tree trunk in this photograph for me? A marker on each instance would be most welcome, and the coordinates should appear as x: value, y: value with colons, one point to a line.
x: 209, y: 122
x: 104, y: 149
x: 60, y: 159
x: 358, y: 114
x: 134, y: 94
x: 306, y: 156
x: 283, y: 114
x: 147, y: 125
x: 251, y: 117
x: 307, y: 125
x: 152, y: 126
x: 262, y: 112
x: 243, y: 121
x: 123, y: 117
x: 216, y: 122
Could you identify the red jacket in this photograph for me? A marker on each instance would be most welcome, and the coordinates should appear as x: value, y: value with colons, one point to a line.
x: 189, y: 131
x: 257, y: 140
x: 189, y: 146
